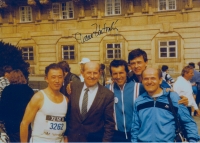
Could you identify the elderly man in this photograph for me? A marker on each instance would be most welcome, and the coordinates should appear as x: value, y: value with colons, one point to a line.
x: 90, y: 116
x: 153, y: 120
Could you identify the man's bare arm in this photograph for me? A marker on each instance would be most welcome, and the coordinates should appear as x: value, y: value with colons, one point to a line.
x: 29, y: 115
x: 183, y: 100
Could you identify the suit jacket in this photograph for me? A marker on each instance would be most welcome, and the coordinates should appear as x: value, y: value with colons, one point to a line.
x: 99, y: 124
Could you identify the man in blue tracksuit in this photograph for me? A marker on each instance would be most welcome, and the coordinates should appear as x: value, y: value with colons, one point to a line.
x: 125, y: 91
x: 153, y: 120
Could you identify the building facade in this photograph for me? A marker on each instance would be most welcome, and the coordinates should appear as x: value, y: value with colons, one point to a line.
x: 53, y: 30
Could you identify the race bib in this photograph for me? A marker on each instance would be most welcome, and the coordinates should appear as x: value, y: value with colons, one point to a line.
x: 55, y: 126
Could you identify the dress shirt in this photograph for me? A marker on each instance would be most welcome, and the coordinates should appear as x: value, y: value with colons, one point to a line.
x: 184, y: 87
x: 81, y: 78
x: 91, y: 95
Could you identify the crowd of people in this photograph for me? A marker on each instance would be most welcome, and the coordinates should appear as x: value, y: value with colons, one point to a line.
x: 132, y: 107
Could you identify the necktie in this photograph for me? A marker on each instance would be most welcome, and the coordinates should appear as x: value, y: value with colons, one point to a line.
x: 85, y: 103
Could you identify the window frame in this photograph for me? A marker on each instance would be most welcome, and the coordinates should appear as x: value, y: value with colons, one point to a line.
x: 61, y: 11
x: 26, y: 14
x: 159, y: 59
x: 60, y: 51
x: 28, y: 52
x: 168, y: 47
x: 167, y: 5
x: 113, y: 8
x: 114, y: 50
x: 62, y: 54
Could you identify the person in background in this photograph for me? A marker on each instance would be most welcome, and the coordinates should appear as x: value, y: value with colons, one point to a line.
x: 68, y: 76
x: 5, y: 72
x: 153, y: 120
x: 166, y: 76
x: 82, y: 62
x: 102, y: 79
x: 183, y: 87
x: 15, y: 98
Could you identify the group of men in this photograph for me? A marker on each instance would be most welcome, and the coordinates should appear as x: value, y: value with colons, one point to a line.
x: 141, y: 109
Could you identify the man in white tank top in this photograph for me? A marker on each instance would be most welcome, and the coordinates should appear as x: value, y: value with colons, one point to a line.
x: 46, y: 110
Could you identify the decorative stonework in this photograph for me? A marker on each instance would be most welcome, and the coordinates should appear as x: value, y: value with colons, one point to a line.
x: 44, y: 1
x: 145, y: 6
x: 189, y: 4
x: 130, y: 7
x: 2, y: 4
x: 31, y: 2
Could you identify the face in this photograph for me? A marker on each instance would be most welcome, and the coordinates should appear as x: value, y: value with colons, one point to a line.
x: 119, y: 75
x: 91, y: 74
x: 138, y: 65
x: 189, y: 75
x: 55, y: 79
x: 151, y: 81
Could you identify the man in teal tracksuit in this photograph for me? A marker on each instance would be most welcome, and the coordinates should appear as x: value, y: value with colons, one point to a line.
x: 153, y: 121
x: 125, y: 91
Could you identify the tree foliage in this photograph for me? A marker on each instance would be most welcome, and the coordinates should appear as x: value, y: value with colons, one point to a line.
x: 12, y: 56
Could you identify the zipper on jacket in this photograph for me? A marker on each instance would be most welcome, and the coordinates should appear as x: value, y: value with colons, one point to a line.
x: 122, y: 96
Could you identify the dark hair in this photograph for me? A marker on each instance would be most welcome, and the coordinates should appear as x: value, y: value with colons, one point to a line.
x: 186, y: 69
x: 192, y: 64
x: 7, y: 69
x: 117, y: 63
x: 17, y: 77
x: 137, y: 53
x: 64, y: 65
x: 53, y: 66
x: 164, y: 68
x: 102, y: 66
x: 159, y: 73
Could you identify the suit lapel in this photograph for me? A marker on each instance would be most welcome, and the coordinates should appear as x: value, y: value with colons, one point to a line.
x: 99, y: 96
x: 77, y: 98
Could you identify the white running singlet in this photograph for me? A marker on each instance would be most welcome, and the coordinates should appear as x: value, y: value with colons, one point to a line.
x: 49, y: 124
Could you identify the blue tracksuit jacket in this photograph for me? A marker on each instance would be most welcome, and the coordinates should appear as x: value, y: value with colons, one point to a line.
x: 124, y: 101
x: 153, y: 120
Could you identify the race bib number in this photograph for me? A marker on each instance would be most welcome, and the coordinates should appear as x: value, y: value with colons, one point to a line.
x: 55, y: 125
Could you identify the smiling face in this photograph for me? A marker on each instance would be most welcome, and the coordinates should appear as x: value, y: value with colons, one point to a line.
x: 138, y: 65
x: 55, y: 78
x: 151, y: 81
x: 119, y: 75
x: 188, y: 75
x: 91, y: 73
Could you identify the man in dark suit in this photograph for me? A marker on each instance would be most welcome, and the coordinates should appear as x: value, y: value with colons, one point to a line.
x: 90, y: 113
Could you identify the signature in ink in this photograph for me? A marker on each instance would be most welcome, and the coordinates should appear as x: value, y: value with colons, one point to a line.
x: 96, y: 33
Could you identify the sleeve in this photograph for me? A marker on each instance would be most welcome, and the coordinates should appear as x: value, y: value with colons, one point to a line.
x: 176, y: 88
x: 170, y: 78
x: 109, y: 126
x: 75, y: 78
x: 189, y: 124
x: 135, y: 125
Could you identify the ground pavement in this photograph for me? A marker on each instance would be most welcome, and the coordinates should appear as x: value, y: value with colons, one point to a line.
x: 197, y: 119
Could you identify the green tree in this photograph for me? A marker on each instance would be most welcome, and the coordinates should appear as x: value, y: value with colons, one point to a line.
x: 12, y: 56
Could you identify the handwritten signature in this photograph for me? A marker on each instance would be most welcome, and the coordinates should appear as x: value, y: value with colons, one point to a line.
x: 99, y: 31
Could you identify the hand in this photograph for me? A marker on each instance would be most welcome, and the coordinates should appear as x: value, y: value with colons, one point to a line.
x: 68, y: 88
x: 198, y: 112
x: 65, y: 139
x: 169, y: 89
x: 183, y: 100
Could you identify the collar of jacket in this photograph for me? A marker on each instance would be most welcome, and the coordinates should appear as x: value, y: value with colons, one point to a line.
x: 165, y: 93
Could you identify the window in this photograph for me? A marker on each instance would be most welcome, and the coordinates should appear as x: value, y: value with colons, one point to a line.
x: 63, y: 10
x: 68, y: 52
x: 167, y: 5
x: 25, y: 14
x: 113, y: 51
x: 168, y: 49
x: 27, y: 53
x: 113, y: 7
